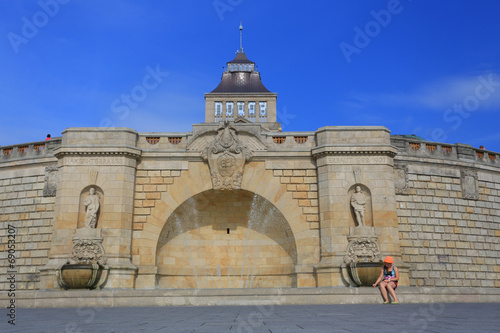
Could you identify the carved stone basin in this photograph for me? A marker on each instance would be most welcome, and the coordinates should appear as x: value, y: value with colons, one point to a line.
x: 79, y: 276
x: 364, y: 273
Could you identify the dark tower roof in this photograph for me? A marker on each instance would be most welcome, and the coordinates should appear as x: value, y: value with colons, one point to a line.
x: 241, y: 58
x: 240, y: 77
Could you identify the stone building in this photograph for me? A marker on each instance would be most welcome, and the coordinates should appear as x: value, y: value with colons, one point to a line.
x: 238, y: 203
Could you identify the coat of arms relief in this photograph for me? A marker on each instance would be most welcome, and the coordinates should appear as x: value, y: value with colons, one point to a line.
x: 226, y: 157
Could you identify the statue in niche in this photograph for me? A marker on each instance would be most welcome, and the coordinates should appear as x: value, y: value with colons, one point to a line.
x: 92, y: 208
x: 358, y: 202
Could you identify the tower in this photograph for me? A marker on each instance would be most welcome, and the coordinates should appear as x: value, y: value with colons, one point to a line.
x: 241, y: 96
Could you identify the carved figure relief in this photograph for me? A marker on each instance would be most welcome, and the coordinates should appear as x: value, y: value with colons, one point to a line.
x: 358, y: 202
x: 363, y: 249
x: 470, y: 189
x: 226, y: 158
x: 50, y: 181
x: 401, y: 179
x: 92, y: 208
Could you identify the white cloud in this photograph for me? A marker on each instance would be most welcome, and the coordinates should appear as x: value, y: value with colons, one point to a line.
x: 436, y: 96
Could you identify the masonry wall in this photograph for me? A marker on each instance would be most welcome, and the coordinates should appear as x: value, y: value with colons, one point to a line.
x: 449, y: 240
x: 30, y: 214
x: 446, y: 239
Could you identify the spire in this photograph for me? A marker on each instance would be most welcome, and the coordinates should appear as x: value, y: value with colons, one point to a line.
x: 241, y: 38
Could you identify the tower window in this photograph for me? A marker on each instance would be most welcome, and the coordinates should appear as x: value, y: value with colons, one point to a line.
x: 241, y: 109
x: 218, y: 109
x: 229, y: 109
x: 263, y: 108
x: 251, y: 109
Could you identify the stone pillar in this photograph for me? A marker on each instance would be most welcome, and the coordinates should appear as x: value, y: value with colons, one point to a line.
x: 105, y: 159
x: 347, y: 157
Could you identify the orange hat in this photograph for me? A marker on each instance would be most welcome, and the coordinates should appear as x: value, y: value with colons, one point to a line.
x: 388, y: 260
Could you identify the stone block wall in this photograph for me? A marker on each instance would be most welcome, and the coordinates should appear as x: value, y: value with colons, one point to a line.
x: 303, y: 184
x: 448, y: 240
x: 30, y: 215
x: 149, y: 186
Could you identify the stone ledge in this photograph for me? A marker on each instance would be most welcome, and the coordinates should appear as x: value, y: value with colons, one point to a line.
x: 207, y: 297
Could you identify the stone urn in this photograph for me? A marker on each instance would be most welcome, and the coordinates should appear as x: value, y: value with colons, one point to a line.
x: 362, y: 257
x: 79, y: 276
x: 86, y: 268
x: 364, y: 273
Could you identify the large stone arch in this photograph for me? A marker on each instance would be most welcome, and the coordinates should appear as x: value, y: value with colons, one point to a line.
x: 226, y: 239
x: 256, y: 179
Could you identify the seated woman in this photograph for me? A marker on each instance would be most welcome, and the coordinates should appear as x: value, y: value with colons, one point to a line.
x: 389, y: 277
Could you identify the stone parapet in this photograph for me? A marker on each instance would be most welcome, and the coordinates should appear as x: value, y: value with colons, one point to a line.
x: 447, y: 152
x: 29, y: 153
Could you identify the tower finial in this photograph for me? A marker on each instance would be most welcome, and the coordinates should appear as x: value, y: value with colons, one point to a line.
x: 241, y: 37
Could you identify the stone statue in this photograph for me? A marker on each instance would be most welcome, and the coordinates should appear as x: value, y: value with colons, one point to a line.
x: 358, y: 202
x: 92, y: 207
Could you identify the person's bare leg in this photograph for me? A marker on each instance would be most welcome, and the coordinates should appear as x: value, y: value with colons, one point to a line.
x: 383, y: 285
x: 390, y: 287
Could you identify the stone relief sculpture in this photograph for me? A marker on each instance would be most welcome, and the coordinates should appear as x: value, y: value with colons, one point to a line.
x: 358, y: 202
x: 226, y: 158
x: 357, y: 174
x: 401, y: 179
x: 92, y: 208
x: 88, y: 251
x: 50, y: 181
x: 363, y: 249
x: 469, y: 182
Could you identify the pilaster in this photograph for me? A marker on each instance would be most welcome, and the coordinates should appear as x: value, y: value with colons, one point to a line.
x: 105, y: 160
x: 348, y: 158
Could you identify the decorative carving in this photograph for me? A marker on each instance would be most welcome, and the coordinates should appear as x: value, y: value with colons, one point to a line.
x: 50, y: 181
x: 470, y: 189
x: 93, y: 176
x: 401, y: 179
x: 362, y: 249
x: 87, y: 251
x: 357, y: 174
x: 92, y: 206
x: 358, y: 202
x: 226, y: 158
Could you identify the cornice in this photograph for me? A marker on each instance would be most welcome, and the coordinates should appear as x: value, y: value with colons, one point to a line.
x: 325, y: 150
x: 97, y: 150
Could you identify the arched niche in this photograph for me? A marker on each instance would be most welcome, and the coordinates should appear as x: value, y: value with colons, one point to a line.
x: 81, y: 210
x: 226, y: 239
x: 368, y: 206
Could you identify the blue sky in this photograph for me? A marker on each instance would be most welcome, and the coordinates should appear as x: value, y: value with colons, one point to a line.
x: 423, y: 67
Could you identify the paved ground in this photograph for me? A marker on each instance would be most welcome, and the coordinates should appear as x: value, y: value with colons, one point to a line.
x: 451, y: 317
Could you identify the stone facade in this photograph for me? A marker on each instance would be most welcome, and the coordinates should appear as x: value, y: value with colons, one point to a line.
x: 289, y: 224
